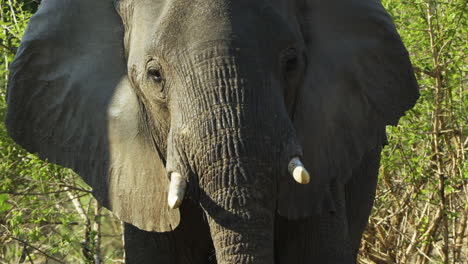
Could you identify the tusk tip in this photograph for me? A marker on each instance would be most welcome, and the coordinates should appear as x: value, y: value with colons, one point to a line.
x: 301, y: 175
x: 174, y: 202
x: 176, y: 192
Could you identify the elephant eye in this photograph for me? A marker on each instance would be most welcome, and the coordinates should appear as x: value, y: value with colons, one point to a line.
x: 291, y: 63
x: 155, y: 80
x: 155, y: 75
x: 293, y: 67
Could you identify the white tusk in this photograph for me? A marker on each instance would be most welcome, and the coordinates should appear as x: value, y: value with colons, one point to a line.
x: 176, y: 192
x: 299, y: 173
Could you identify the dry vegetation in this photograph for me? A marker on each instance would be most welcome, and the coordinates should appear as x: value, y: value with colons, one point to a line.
x: 421, y: 211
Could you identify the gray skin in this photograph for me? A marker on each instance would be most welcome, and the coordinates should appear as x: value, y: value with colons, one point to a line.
x: 224, y: 93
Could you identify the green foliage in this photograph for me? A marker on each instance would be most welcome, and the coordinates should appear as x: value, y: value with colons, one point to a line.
x: 420, y: 214
x: 46, y: 212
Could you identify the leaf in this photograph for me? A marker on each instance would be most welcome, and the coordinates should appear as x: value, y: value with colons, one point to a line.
x: 4, y: 205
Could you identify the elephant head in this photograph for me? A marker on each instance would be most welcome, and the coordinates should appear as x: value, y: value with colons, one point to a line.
x: 217, y: 95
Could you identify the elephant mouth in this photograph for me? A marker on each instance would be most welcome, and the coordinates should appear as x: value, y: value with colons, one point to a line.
x: 178, y: 184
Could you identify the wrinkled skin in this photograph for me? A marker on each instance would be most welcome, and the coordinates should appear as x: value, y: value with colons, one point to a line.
x: 225, y: 93
x: 220, y: 108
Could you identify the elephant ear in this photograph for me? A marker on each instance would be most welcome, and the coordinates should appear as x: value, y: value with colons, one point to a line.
x: 359, y: 79
x: 69, y: 100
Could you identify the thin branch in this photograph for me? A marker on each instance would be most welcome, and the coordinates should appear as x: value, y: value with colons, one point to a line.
x: 43, y: 193
x: 12, y: 50
x: 77, y: 205
x: 35, y: 248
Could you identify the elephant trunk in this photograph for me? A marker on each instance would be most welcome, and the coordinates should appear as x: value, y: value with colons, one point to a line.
x: 239, y: 195
x: 238, y: 164
x: 237, y: 139
x: 242, y: 237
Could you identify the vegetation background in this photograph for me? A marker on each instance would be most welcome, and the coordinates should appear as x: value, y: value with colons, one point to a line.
x: 47, y: 214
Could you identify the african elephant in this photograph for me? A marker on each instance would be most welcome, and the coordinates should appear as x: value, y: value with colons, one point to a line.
x: 184, y: 116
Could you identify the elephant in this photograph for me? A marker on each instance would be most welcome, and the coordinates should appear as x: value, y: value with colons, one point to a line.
x: 219, y: 131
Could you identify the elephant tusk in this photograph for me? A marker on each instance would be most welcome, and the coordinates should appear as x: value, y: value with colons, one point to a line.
x: 176, y: 192
x: 299, y: 173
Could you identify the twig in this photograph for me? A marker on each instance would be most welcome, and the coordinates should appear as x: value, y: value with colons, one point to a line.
x: 35, y: 248
x: 9, y: 49
x: 44, y: 193
x: 97, y: 229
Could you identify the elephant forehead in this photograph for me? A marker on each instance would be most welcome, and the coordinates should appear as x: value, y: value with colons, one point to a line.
x: 169, y: 26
